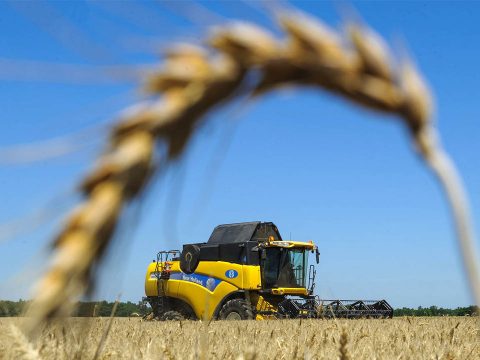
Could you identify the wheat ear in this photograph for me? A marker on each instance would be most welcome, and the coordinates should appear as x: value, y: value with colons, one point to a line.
x: 193, y: 82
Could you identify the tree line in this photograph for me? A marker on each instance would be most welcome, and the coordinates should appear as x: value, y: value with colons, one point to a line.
x: 437, y: 311
x: 105, y: 308
x: 83, y: 309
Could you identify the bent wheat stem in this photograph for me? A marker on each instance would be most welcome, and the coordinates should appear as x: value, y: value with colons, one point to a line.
x: 445, y: 171
x: 193, y: 82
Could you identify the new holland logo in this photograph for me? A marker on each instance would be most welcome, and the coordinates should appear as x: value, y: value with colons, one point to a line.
x: 231, y: 274
x: 208, y: 282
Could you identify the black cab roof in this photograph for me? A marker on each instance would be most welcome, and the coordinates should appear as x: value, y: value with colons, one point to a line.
x: 241, y: 232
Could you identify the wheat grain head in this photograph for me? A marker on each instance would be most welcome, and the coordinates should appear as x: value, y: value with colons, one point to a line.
x: 192, y: 82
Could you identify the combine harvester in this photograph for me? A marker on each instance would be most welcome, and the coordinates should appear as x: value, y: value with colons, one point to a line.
x: 245, y: 271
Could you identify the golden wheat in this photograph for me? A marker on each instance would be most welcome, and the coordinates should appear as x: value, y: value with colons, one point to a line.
x: 192, y: 83
x: 17, y: 346
x: 419, y: 338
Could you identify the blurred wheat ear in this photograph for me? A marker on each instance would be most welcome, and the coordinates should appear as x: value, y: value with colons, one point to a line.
x: 194, y: 81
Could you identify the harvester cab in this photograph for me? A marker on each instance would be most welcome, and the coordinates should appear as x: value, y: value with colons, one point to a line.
x: 244, y: 271
x: 284, y: 266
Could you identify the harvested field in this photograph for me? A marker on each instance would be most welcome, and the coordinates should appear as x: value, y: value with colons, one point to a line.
x: 399, y: 338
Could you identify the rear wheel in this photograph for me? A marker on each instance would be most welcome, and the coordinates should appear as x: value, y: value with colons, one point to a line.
x: 172, y: 315
x: 236, y: 309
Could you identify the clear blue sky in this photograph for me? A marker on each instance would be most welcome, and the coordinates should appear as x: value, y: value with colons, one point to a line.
x: 318, y: 167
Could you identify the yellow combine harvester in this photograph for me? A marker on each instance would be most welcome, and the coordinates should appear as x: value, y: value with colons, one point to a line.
x: 244, y: 271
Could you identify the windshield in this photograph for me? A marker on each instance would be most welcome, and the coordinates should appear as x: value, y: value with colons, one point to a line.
x: 284, y: 268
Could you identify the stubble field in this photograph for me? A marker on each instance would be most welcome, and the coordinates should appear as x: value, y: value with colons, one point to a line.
x: 131, y: 338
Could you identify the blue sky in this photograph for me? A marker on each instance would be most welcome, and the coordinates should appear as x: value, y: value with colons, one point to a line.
x: 318, y: 167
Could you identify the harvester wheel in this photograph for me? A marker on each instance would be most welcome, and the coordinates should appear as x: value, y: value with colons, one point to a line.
x: 236, y: 309
x: 172, y: 315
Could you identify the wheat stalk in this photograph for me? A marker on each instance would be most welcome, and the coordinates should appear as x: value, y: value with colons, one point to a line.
x: 19, y: 346
x: 192, y: 83
x: 343, y: 352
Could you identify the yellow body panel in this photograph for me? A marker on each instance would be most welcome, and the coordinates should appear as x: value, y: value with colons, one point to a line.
x: 290, y: 291
x: 207, y: 287
x: 203, y: 301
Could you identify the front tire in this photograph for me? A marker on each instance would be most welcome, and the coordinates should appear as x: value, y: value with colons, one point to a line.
x: 236, y: 309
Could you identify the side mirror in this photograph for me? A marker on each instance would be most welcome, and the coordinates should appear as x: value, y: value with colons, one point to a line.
x: 317, y: 255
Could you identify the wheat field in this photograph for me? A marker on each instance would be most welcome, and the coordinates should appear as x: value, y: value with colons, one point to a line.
x: 355, y: 65
x: 132, y: 338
